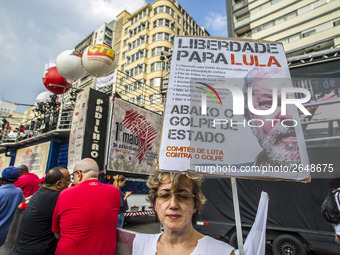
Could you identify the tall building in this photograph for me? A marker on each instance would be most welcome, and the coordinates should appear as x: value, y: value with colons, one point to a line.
x: 103, y: 35
x: 9, y: 115
x: 144, y: 41
x: 303, y: 26
x: 6, y: 108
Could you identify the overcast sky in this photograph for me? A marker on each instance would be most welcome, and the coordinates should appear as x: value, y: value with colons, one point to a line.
x: 34, y: 33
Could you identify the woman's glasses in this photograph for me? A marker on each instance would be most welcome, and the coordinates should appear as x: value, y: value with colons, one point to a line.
x: 182, y: 196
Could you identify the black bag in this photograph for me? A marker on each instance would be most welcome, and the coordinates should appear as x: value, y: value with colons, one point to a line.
x: 329, y: 208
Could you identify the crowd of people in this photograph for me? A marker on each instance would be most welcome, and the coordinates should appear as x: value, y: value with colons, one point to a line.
x: 73, y: 213
x: 46, y: 118
x: 76, y: 214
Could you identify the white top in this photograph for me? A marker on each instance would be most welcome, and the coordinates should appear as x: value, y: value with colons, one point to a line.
x: 146, y: 244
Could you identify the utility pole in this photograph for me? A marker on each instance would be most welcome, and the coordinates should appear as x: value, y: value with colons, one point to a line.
x: 230, y: 20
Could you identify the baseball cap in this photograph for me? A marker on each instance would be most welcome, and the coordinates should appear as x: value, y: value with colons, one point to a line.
x: 11, y: 173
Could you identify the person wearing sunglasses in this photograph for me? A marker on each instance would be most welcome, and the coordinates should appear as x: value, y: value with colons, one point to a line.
x: 177, y: 200
x: 85, y: 216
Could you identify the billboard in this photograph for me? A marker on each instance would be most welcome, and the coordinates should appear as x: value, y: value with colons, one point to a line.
x: 34, y: 157
x: 231, y: 110
x: 88, y: 132
x: 134, y: 139
x: 4, y: 161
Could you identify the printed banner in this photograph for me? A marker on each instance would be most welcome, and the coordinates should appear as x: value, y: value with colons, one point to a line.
x: 77, y: 133
x: 96, y: 126
x: 135, y: 138
x: 231, y: 110
x: 34, y: 157
x: 105, y: 81
x: 4, y: 161
x: 89, y: 123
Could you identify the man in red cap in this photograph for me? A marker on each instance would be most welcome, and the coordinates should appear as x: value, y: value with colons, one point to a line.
x: 10, y: 198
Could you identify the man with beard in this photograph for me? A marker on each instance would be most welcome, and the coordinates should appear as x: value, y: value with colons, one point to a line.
x: 278, y: 141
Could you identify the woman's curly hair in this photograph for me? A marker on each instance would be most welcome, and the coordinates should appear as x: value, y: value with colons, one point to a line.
x: 157, y: 178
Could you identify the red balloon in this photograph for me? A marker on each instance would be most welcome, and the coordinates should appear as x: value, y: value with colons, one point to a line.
x: 54, y: 82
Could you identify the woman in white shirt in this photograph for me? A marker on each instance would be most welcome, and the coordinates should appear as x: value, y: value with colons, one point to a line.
x: 177, y: 200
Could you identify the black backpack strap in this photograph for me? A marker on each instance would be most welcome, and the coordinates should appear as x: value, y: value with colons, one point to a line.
x: 336, y: 194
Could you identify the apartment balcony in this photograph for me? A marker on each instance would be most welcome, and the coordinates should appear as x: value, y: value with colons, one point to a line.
x: 242, y: 23
x: 240, y: 5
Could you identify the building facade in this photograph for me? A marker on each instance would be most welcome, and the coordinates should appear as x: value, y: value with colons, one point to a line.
x: 6, y: 108
x: 103, y: 35
x: 303, y: 26
x: 144, y: 41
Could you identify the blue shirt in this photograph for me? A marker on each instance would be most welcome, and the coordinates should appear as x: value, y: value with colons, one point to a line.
x: 10, y: 198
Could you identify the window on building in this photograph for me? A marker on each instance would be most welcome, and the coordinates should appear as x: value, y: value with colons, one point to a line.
x: 139, y: 28
x: 290, y: 15
x: 155, y: 99
x: 263, y: 6
x: 139, y: 16
x: 157, y: 66
x: 163, y: 22
x: 126, y: 89
x: 151, y: 99
x: 291, y: 38
x: 336, y: 23
x: 275, y: 22
x: 137, y: 55
x: 164, y: 9
x: 136, y: 70
x: 275, y: 1
x: 308, y: 33
x: 155, y: 82
x: 319, y: 3
x: 304, y: 9
x: 294, y: 38
x: 162, y: 36
x: 140, y: 99
x: 159, y: 50
x: 268, y: 25
x: 139, y: 41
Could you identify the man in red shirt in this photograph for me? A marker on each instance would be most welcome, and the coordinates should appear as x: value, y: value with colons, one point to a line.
x: 28, y: 182
x: 85, y: 217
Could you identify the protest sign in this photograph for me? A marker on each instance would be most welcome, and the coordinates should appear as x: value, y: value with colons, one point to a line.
x: 231, y: 109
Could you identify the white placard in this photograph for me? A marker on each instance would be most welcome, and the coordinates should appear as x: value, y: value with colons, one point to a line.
x: 212, y: 126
